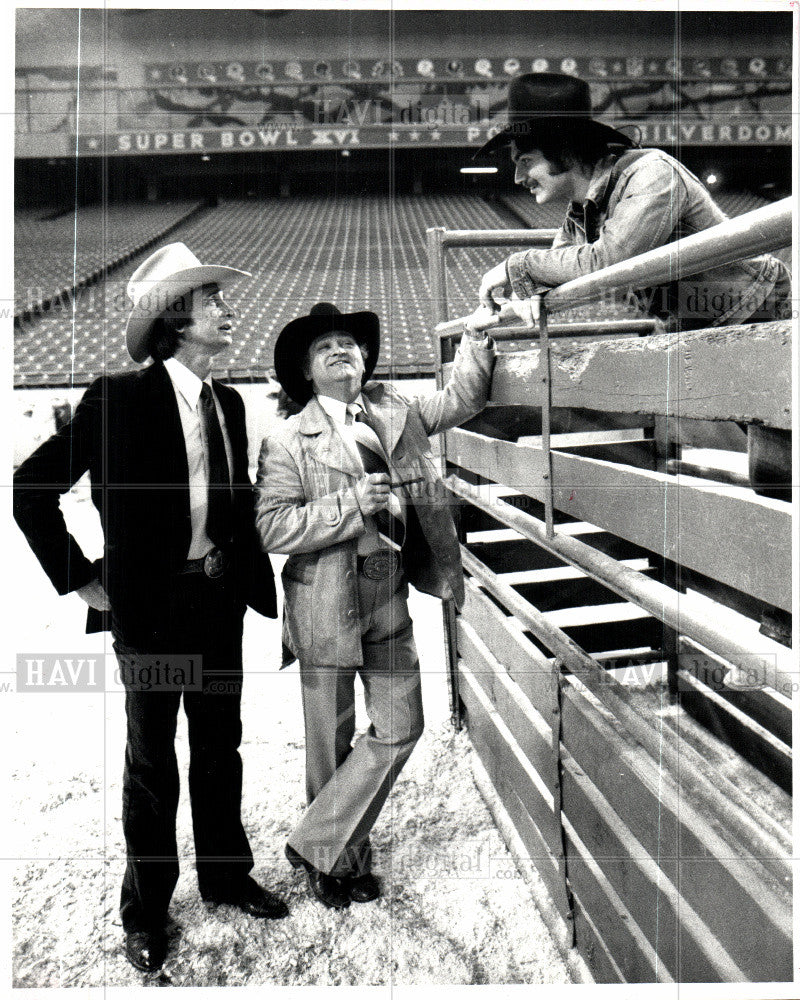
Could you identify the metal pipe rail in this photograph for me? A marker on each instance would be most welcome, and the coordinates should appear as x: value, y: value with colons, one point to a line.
x: 495, y: 237
x: 760, y: 231
x: 612, y: 327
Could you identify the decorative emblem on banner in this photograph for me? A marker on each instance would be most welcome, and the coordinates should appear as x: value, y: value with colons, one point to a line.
x: 385, y: 67
x: 294, y: 70
x: 598, y: 68
x: 634, y: 66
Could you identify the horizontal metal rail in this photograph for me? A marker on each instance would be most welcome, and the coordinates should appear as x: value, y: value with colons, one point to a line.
x: 656, y: 598
x: 764, y: 229
x: 614, y: 327
x: 760, y: 231
x: 497, y: 237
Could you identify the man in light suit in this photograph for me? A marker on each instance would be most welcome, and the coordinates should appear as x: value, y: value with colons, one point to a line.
x: 350, y: 490
x: 166, y: 450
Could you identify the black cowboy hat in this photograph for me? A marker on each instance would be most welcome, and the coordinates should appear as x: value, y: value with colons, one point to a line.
x: 296, y: 337
x: 541, y: 101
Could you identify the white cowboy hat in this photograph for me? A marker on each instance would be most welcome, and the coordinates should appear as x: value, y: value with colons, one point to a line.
x: 157, y: 282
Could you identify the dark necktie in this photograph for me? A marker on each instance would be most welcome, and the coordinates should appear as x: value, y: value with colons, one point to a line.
x: 373, y: 460
x: 219, y: 519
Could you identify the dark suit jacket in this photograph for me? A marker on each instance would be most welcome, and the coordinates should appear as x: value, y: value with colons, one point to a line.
x: 127, y: 432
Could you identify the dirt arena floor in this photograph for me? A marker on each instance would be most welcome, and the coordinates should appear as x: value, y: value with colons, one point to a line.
x: 454, y: 908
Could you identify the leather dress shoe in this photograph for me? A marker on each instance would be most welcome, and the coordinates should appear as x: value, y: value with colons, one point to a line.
x: 362, y: 888
x: 330, y: 891
x: 146, y: 951
x: 252, y: 898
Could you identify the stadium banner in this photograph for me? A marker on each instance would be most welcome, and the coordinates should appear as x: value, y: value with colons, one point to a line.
x: 747, y: 132
x: 494, y: 67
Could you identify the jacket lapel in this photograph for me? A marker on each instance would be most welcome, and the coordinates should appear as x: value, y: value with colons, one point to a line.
x: 323, y: 441
x: 160, y: 422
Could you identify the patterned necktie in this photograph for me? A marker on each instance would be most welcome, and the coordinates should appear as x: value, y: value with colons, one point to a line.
x: 219, y: 519
x: 390, y: 523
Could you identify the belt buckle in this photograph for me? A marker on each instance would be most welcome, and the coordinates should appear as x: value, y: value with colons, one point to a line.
x: 380, y: 565
x: 215, y: 563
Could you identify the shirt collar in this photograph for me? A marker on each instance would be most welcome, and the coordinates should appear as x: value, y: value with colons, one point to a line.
x: 337, y: 410
x: 600, y: 183
x: 185, y: 381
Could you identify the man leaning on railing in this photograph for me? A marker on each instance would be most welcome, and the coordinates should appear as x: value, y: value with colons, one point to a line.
x: 624, y: 201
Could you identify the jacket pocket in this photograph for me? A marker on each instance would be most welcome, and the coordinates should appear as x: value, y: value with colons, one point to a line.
x: 297, y: 578
x: 300, y: 569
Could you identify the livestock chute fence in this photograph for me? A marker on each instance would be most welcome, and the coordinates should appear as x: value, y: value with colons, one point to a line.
x: 631, y: 722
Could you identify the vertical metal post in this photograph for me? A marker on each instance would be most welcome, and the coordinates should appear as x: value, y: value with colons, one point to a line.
x: 544, y: 367
x: 444, y: 353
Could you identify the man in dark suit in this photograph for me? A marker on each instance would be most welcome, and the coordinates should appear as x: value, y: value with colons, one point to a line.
x: 166, y: 451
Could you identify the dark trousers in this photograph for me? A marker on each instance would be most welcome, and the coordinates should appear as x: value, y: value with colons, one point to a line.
x: 198, y: 657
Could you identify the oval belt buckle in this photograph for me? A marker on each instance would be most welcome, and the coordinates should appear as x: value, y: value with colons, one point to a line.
x: 214, y: 563
x: 380, y: 565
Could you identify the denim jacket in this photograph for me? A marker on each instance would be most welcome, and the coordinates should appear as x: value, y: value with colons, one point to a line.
x: 637, y: 201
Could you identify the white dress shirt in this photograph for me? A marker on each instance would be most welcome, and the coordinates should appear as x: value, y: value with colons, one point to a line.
x: 187, y: 388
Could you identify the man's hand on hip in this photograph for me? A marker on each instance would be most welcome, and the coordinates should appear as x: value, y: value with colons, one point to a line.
x: 94, y: 595
x: 372, y: 493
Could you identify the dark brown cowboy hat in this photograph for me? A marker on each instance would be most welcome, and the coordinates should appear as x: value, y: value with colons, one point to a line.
x: 541, y: 101
x: 295, y: 338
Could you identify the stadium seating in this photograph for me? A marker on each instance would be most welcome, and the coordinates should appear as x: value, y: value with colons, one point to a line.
x: 56, y: 253
x: 362, y: 253
x: 359, y: 252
